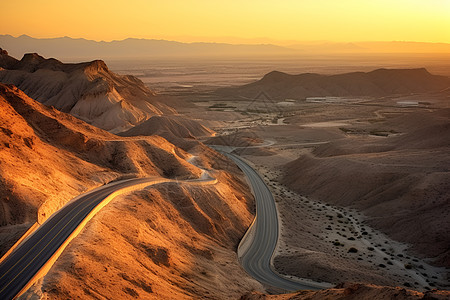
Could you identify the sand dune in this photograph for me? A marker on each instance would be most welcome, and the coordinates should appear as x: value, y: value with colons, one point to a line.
x: 89, y: 90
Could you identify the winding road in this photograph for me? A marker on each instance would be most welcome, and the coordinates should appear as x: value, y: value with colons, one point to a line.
x: 263, y: 235
x: 36, y: 254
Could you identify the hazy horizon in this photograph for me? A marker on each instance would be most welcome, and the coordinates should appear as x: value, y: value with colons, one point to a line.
x: 76, y: 50
x: 231, y: 21
x: 232, y: 40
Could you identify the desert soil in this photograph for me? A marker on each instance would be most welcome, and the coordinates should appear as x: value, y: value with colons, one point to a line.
x: 325, y: 240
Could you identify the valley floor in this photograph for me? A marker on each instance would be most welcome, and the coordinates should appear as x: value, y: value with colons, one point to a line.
x: 322, y: 238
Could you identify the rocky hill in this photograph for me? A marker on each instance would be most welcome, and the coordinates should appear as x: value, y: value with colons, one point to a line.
x: 174, y: 241
x: 167, y: 126
x: 89, y: 91
x: 41, y: 148
x: 381, y: 82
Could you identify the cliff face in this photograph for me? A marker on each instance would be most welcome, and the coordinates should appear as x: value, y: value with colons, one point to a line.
x: 89, y: 90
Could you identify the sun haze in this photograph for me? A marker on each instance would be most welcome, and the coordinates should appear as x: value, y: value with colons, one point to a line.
x: 251, y: 21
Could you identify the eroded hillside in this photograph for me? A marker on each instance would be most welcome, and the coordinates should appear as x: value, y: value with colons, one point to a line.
x: 400, y: 182
x: 174, y: 240
x: 89, y: 91
x: 47, y: 157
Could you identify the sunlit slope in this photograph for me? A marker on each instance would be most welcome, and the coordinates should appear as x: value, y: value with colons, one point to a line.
x: 89, y: 90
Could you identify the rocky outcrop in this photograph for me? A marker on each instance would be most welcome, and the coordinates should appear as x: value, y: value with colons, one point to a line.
x: 47, y: 157
x: 89, y: 91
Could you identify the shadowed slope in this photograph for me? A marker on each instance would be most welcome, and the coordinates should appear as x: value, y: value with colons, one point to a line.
x: 401, y: 182
x: 381, y: 82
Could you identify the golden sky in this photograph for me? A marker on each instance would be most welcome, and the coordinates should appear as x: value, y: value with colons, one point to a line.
x: 235, y: 21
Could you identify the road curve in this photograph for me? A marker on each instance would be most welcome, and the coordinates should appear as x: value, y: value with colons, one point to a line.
x: 256, y: 259
x: 19, y: 269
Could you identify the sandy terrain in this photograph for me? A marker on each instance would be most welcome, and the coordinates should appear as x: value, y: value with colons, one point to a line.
x: 355, y: 292
x: 48, y: 157
x: 171, y: 241
x: 317, y: 238
x: 336, y: 227
x: 174, y: 241
x: 360, y: 186
x: 399, y: 166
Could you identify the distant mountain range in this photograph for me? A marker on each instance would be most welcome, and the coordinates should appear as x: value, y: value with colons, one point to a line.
x: 381, y: 82
x: 66, y: 47
x: 70, y: 48
x: 373, y: 47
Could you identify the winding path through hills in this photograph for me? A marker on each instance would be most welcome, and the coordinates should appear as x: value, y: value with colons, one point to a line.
x: 258, y: 245
x: 36, y: 254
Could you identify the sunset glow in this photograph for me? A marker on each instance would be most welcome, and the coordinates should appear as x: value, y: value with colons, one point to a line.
x: 252, y: 21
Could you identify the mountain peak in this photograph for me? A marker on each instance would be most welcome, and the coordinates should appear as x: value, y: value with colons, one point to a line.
x: 96, y: 66
x: 32, y: 57
x: 275, y: 75
x: 24, y: 36
x: 31, y: 62
x: 6, y: 61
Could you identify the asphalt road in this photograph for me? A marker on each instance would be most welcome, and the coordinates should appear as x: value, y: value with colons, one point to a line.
x: 257, y: 258
x: 30, y: 256
x: 23, y: 263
